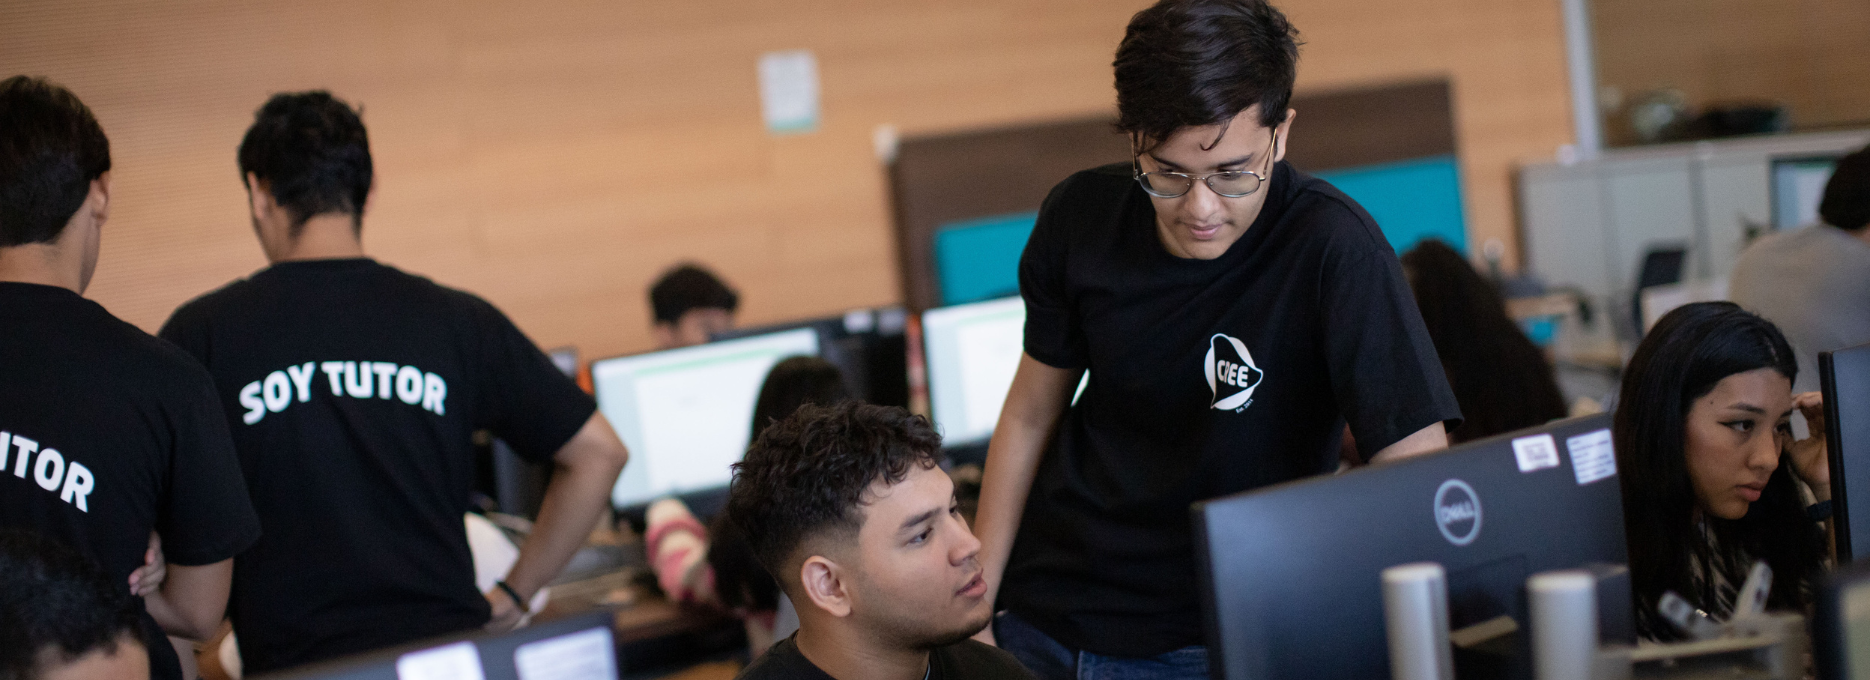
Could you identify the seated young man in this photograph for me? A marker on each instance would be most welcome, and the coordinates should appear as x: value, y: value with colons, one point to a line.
x: 845, y: 505
x: 62, y: 617
x: 690, y: 304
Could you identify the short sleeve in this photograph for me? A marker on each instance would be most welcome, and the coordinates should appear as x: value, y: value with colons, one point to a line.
x: 1054, y: 335
x: 524, y: 398
x: 206, y: 515
x: 1385, y: 373
x: 185, y: 330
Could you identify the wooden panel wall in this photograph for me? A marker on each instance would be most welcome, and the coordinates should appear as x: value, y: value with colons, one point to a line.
x: 555, y: 156
x: 1813, y: 55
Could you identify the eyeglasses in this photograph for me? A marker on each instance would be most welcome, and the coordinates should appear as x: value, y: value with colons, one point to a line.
x: 1232, y: 183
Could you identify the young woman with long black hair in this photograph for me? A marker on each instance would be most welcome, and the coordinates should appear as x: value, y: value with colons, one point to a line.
x: 1709, y: 466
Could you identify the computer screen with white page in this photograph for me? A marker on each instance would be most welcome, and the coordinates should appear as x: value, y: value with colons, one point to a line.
x: 686, y: 413
x: 972, y: 352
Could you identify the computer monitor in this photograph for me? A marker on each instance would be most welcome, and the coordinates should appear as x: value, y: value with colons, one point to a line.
x: 1797, y: 185
x: 1841, y: 624
x: 1844, y: 376
x: 574, y: 648
x: 1291, y: 574
x: 686, y: 414
x: 972, y: 351
x: 867, y: 345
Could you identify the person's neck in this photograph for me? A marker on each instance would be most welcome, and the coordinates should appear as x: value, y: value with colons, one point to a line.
x: 40, y: 263
x: 331, y: 236
x: 847, y: 654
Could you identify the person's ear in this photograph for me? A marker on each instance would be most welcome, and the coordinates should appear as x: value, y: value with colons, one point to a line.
x: 823, y: 582
x: 259, y: 198
x: 100, y: 199
x: 1280, y: 133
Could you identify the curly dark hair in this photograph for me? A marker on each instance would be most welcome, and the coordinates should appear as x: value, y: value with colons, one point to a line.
x: 51, y: 148
x: 312, y: 151
x: 52, y: 598
x: 1689, y: 351
x: 806, y: 476
x: 1186, y: 63
x: 744, y: 583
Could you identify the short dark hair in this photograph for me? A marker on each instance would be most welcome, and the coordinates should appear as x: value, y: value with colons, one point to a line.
x: 311, y: 150
x: 1186, y: 63
x: 51, y: 148
x: 687, y: 287
x: 807, y: 475
x: 53, y: 598
x: 1687, y: 353
x: 1846, y: 203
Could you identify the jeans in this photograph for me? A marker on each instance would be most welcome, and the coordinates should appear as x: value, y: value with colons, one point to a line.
x: 1050, y: 660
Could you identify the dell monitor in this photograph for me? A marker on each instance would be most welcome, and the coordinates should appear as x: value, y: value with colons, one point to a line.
x: 1841, y: 624
x: 686, y: 414
x: 1292, y: 574
x: 574, y: 648
x: 1844, y: 376
x: 972, y: 352
x: 1798, y: 184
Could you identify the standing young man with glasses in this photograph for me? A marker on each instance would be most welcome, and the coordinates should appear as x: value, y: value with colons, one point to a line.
x: 1233, y: 313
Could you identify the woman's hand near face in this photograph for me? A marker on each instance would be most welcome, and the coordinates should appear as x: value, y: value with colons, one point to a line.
x: 1809, y: 456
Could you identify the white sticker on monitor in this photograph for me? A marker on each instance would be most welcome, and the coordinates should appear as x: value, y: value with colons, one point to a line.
x: 1592, y: 457
x: 458, y: 661
x: 1537, y: 452
x: 584, y: 655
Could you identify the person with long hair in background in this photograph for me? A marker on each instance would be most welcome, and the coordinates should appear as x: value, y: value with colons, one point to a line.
x: 1709, y: 467
x: 1502, y: 381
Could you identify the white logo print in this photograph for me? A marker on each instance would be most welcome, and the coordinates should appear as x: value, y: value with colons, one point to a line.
x: 1457, y: 512
x: 1231, y: 373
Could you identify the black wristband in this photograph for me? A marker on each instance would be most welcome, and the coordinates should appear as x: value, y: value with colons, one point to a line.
x: 1819, y: 512
x: 510, y: 592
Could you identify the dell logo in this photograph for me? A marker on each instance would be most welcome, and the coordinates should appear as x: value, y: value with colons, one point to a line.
x: 1457, y: 512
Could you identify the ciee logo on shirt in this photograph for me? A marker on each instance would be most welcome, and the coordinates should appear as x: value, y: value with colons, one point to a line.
x: 1231, y: 373
x: 1457, y: 512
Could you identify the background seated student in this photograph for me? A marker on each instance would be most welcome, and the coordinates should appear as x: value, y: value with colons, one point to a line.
x: 690, y: 304
x: 1814, y: 282
x: 1708, y: 464
x: 717, y: 565
x: 62, y: 617
x: 845, y: 504
x: 1501, y: 380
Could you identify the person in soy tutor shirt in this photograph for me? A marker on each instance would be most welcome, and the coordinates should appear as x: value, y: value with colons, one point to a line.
x: 106, y: 433
x: 847, y: 506
x: 353, y: 390
x: 1233, y: 314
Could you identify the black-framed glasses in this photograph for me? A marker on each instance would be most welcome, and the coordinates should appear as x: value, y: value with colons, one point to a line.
x: 1231, y: 183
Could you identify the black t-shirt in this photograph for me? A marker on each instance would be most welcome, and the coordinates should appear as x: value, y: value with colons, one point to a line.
x: 107, y: 434
x: 353, y: 391
x: 1207, y: 378
x: 964, y: 660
